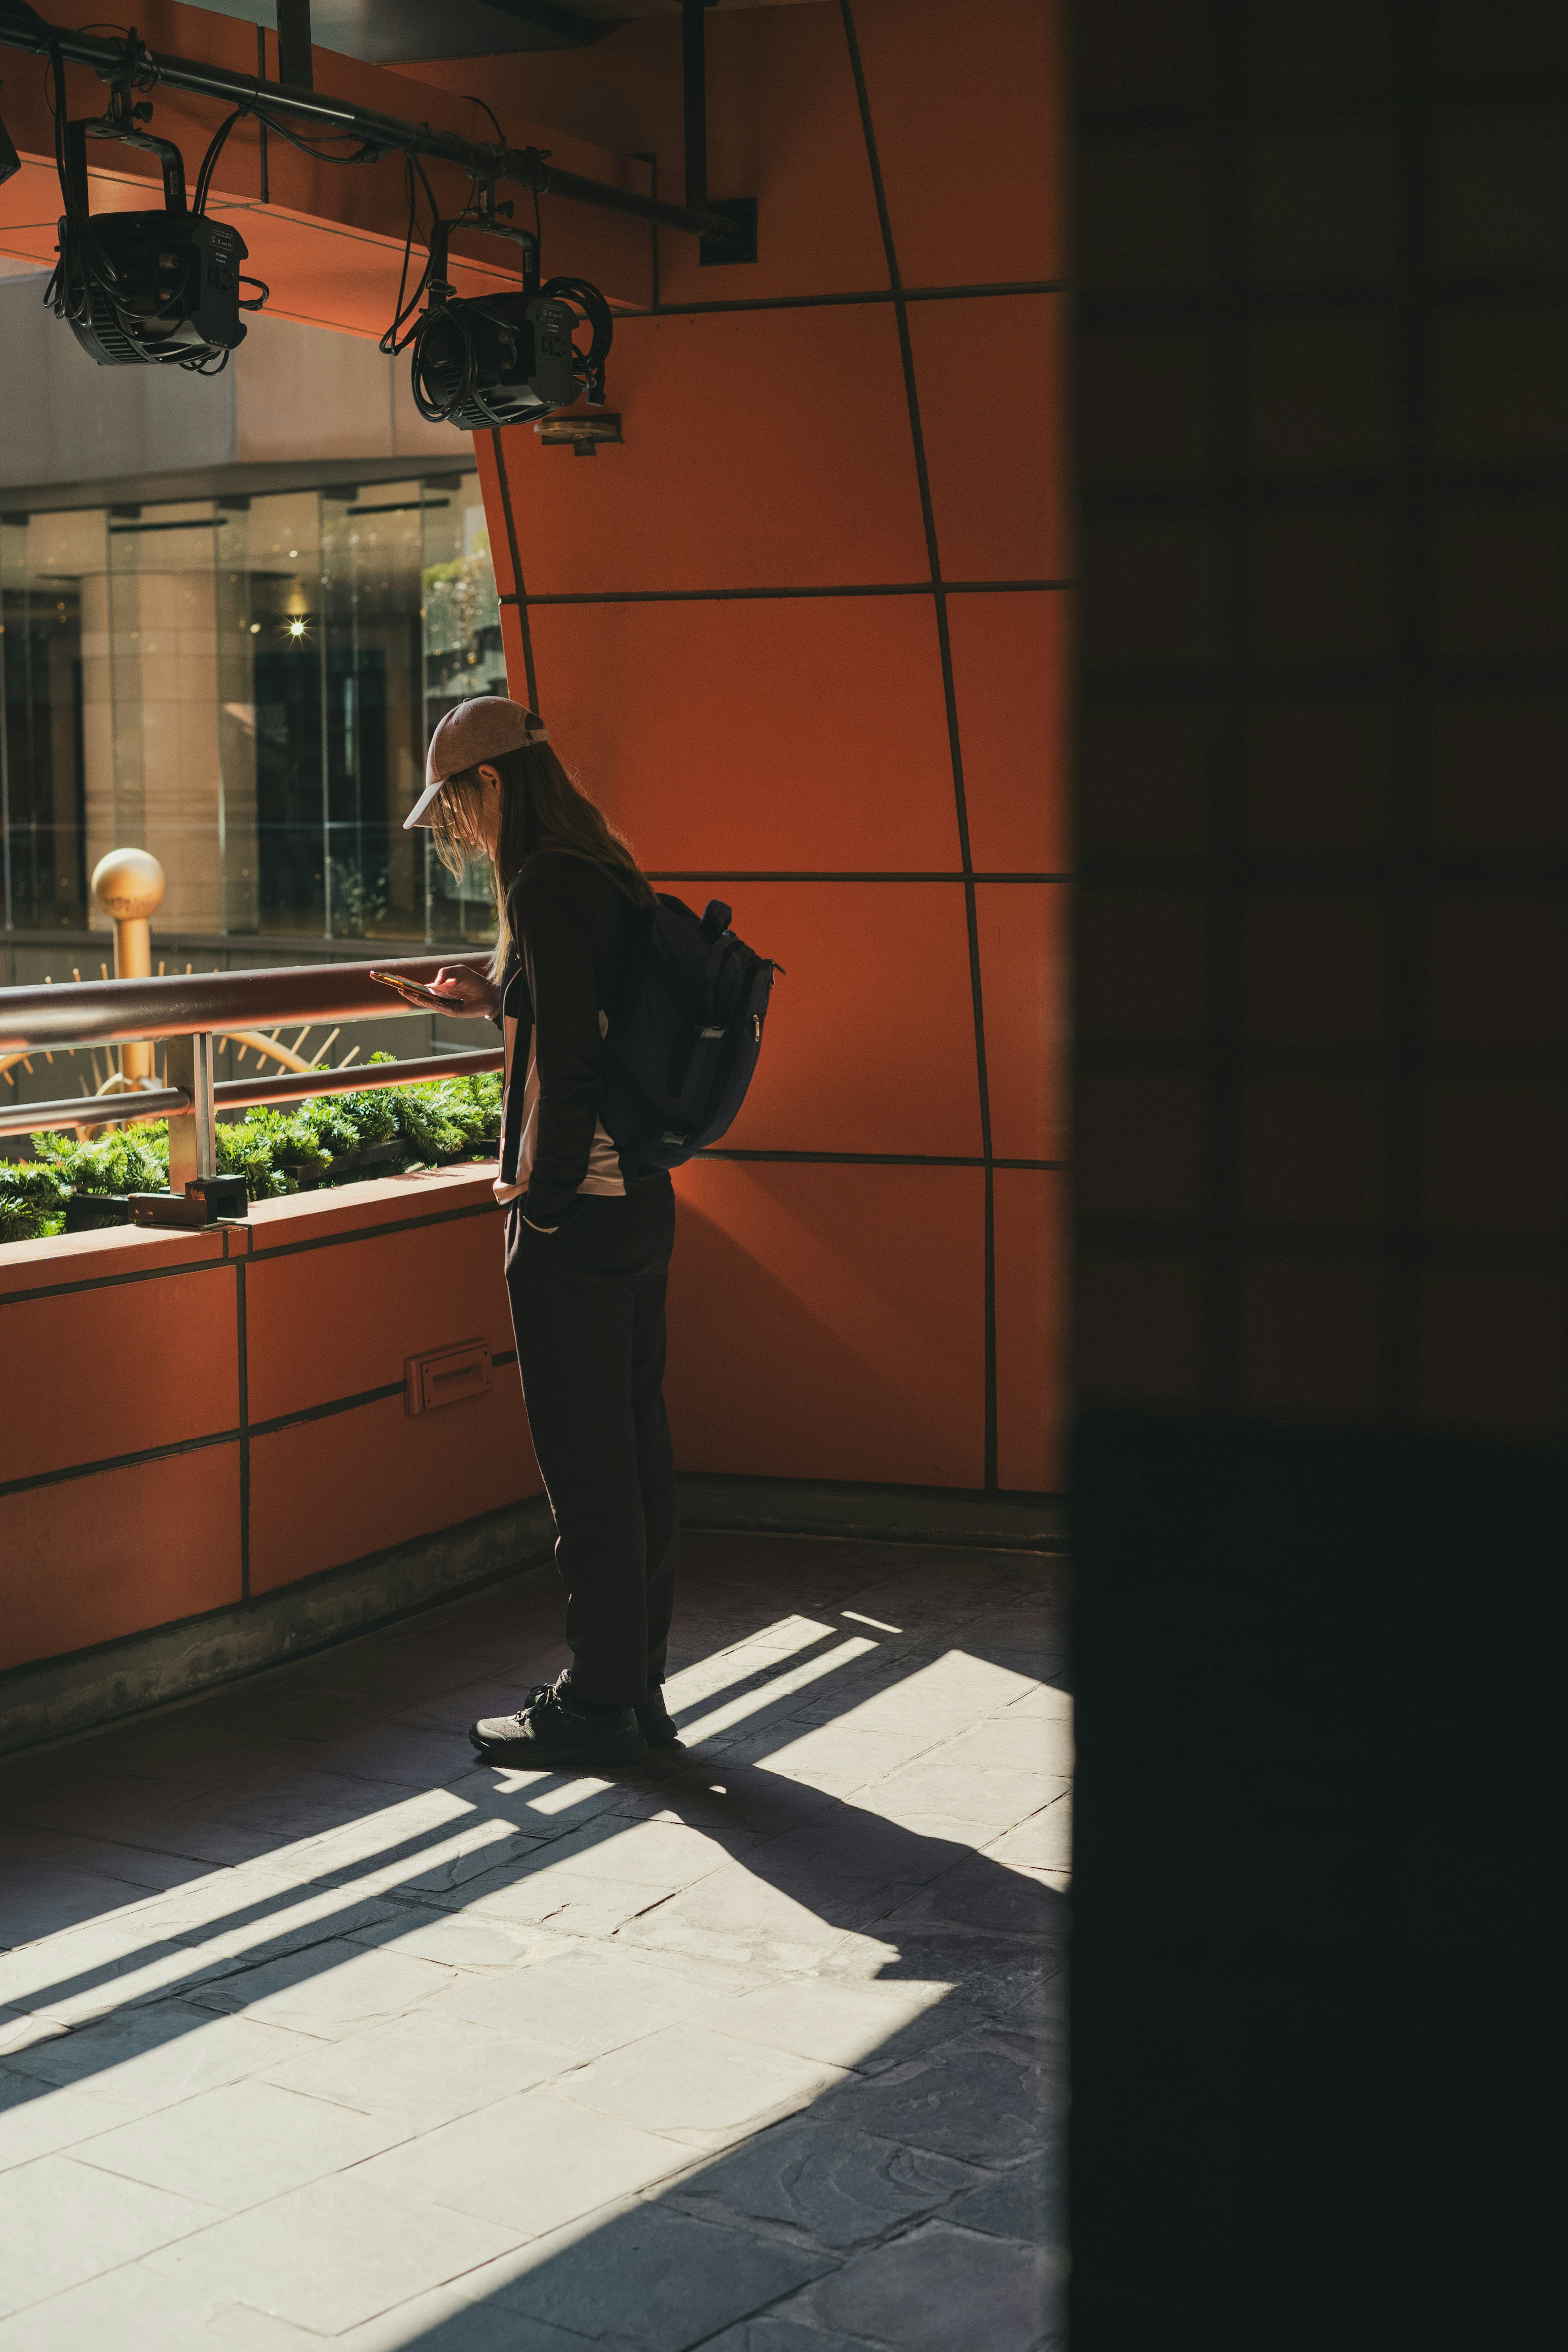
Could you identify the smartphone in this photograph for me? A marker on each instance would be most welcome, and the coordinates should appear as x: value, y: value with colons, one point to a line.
x: 412, y: 994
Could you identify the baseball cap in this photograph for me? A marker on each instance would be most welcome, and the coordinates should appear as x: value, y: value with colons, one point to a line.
x: 481, y: 729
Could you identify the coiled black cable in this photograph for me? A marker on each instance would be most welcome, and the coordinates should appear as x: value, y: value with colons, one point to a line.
x: 588, y: 366
x: 446, y: 358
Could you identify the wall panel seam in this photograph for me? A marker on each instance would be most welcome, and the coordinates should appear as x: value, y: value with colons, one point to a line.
x: 937, y: 588
x: 520, y: 597
x: 944, y: 646
x: 119, y: 1462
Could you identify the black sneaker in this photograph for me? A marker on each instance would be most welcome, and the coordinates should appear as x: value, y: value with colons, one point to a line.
x: 656, y: 1723
x: 548, y: 1731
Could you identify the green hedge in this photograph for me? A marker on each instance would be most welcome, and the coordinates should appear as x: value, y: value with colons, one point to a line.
x: 446, y: 1119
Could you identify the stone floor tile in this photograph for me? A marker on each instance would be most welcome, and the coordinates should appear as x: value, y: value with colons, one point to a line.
x: 446, y: 2321
x: 687, y: 2079
x: 43, y: 1897
x: 329, y: 1988
x: 243, y: 2329
x: 240, y: 2146
x: 92, y: 1970
x: 845, y: 1750
x: 301, y: 1804
x: 334, y: 2254
x: 1042, y: 1843
x: 1028, y: 2203
x: 744, y: 1913
x: 420, y: 2071
x: 108, y: 1863
x: 841, y: 2188
x: 940, y: 2287
x: 457, y: 1940
x: 649, y: 2276
x: 526, y: 2165
x: 61, y: 2222
x: 840, y: 2024
x: 20, y: 2028
x: 471, y: 1853
x: 268, y: 1925
x: 943, y: 1696
x: 135, y: 2309
x: 92, y: 1798
x: 37, y: 2119
x: 1049, y: 1700
x: 314, y: 1717
x: 980, y: 2106
x: 1013, y: 1743
x: 966, y: 1792
x: 148, y: 2057
x: 725, y: 1799
x: 569, y: 1904
x: 669, y: 1854
x: 848, y: 1841
x: 771, y: 2335
x: 586, y: 2004
x: 981, y: 1894
x: 405, y: 1754
x: 539, y: 1803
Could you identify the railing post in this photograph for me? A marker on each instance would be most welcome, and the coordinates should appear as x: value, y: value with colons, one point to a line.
x: 192, y: 1147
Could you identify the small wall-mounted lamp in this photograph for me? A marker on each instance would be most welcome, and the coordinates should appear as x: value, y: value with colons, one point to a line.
x: 580, y: 434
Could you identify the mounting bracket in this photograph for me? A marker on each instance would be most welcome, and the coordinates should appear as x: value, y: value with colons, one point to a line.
x: 740, y: 210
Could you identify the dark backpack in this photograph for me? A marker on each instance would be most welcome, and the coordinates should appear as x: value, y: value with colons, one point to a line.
x: 684, y: 1039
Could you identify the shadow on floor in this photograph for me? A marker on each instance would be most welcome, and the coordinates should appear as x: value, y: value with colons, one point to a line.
x: 766, y: 2166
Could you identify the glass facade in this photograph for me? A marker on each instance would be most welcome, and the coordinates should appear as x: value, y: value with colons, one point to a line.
x: 245, y: 687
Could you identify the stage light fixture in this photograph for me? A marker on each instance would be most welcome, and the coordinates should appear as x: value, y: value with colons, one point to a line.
x: 143, y: 288
x: 507, y: 358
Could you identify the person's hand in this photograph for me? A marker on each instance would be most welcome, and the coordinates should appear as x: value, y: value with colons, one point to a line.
x: 465, y: 992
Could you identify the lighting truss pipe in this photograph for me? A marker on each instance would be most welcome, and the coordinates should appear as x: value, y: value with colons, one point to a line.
x: 239, y: 1094
x: 111, y: 1012
x: 525, y: 166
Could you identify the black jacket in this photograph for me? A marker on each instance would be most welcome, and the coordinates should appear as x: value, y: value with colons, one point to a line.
x: 573, y: 930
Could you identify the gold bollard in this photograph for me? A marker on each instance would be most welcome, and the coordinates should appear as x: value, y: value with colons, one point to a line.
x: 128, y: 885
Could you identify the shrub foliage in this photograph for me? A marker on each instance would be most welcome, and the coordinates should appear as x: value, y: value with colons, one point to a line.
x: 448, y: 1119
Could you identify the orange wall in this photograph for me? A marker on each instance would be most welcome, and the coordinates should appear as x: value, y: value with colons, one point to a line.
x: 866, y: 1284
x: 186, y: 1419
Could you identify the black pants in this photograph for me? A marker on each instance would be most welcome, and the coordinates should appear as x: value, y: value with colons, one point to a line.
x: 587, y: 1305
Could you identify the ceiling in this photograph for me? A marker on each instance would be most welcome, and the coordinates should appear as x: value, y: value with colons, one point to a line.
x: 394, y: 32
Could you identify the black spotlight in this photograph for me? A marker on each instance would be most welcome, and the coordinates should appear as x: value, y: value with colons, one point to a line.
x: 159, y: 289
x: 501, y: 359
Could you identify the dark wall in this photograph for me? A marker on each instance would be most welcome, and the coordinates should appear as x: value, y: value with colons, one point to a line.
x: 1322, y: 1121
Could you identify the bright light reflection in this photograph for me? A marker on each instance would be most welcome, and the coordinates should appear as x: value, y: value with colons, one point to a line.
x: 861, y: 1620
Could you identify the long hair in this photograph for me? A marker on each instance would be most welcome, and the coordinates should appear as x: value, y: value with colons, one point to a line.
x: 543, y: 812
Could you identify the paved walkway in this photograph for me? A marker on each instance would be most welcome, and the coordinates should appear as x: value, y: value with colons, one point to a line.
x: 316, y: 2032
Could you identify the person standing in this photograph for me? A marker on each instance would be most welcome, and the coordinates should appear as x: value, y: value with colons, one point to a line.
x: 589, y: 1229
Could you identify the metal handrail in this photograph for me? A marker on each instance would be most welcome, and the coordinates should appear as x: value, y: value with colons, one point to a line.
x: 190, y: 1009
x: 241, y: 1094
x: 114, y: 1012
